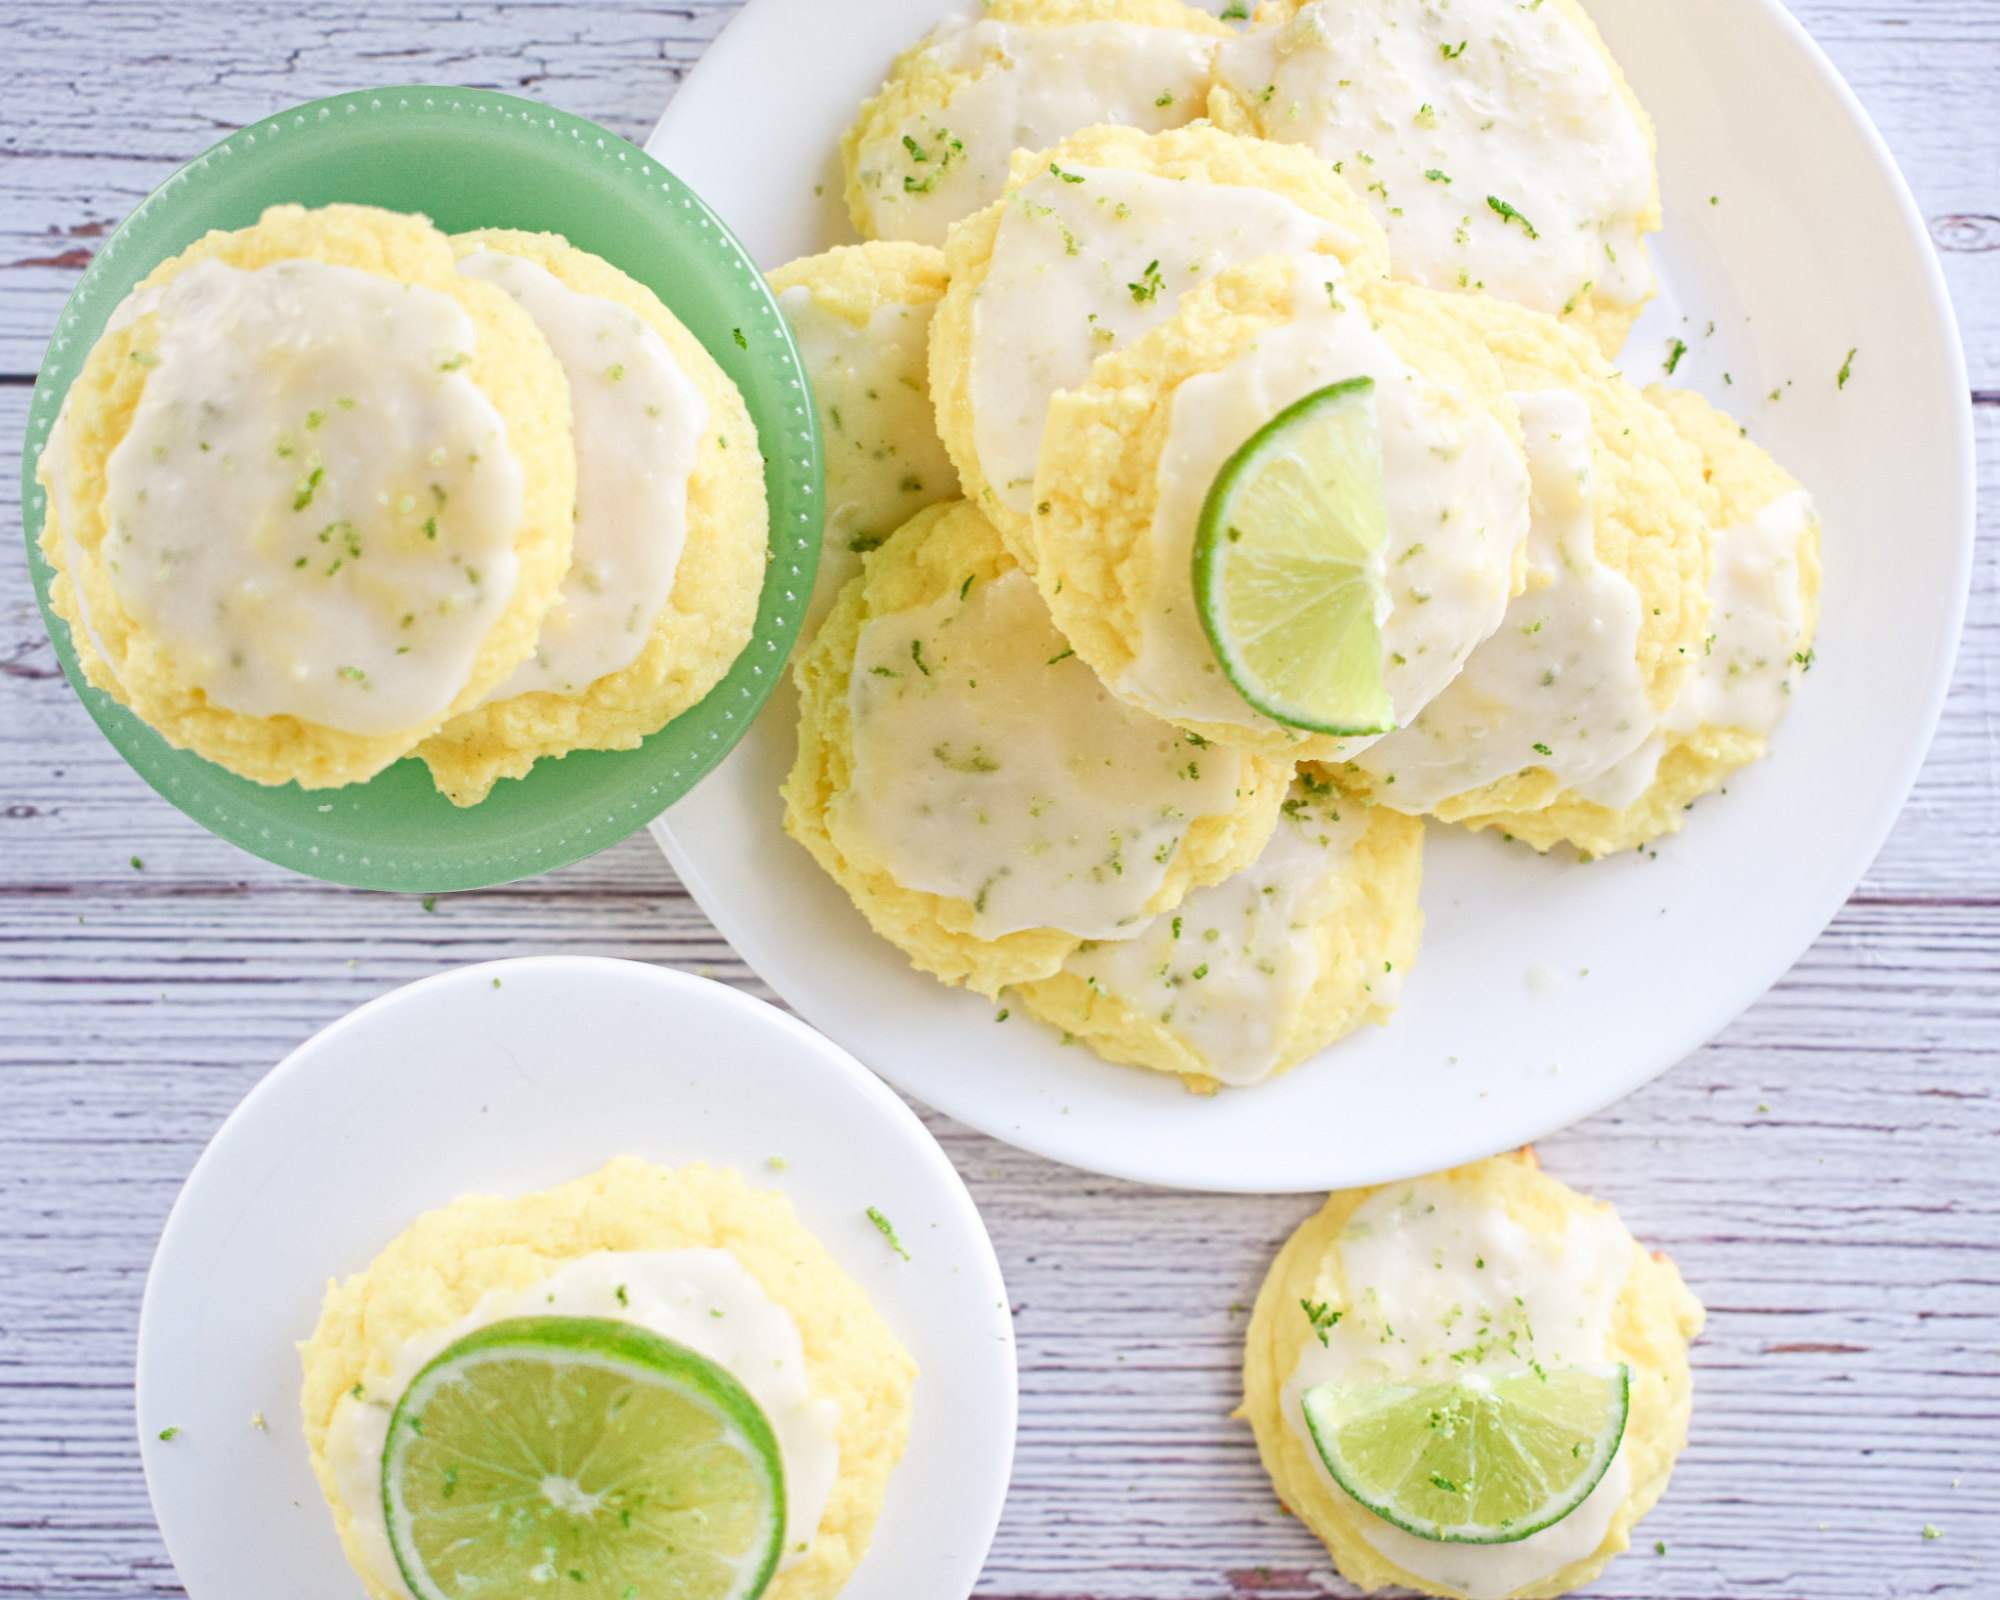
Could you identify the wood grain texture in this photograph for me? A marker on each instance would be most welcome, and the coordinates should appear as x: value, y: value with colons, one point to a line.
x: 1823, y: 1172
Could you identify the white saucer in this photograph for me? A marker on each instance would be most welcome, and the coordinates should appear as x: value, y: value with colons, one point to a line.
x: 513, y: 1076
x: 1812, y: 248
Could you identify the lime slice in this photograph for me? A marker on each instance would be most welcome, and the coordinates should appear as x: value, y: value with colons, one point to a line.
x: 581, y: 1457
x: 1288, y: 572
x: 1480, y: 1461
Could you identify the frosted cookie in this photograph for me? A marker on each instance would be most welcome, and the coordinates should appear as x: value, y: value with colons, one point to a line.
x: 1753, y: 650
x: 1498, y: 143
x: 1484, y: 1278
x: 933, y: 145
x: 1252, y: 975
x: 862, y: 318
x: 690, y: 1253
x: 1598, y: 645
x: 1093, y: 245
x: 311, y: 494
x: 671, y: 524
x: 972, y: 788
x: 1128, y: 459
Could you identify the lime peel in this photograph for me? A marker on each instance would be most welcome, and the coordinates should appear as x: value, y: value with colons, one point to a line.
x: 1480, y: 1461
x: 1289, y: 578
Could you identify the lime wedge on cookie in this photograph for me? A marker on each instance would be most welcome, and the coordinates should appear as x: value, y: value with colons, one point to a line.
x: 1288, y: 568
x: 1480, y: 1461
x: 581, y: 1457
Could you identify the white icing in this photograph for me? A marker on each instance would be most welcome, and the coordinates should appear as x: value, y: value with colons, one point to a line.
x: 1623, y: 782
x: 1527, y: 112
x: 1557, y: 685
x: 1431, y: 1285
x: 703, y: 1299
x: 1088, y: 261
x: 1749, y: 665
x: 314, y: 511
x: 990, y: 765
x: 1229, y: 969
x: 1031, y: 88
x: 884, y: 460
x: 637, y: 420
x: 1456, y: 492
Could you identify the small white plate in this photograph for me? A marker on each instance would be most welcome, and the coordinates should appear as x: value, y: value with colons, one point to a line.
x: 508, y: 1077
x: 1811, y: 248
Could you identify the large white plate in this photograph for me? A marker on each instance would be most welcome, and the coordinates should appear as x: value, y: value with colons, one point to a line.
x: 1811, y: 247
x: 504, y: 1078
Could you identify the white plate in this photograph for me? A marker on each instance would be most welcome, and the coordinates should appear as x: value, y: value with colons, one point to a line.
x: 1813, y: 247
x: 455, y: 1085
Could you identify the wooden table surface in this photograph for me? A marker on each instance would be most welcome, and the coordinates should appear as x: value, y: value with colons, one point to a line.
x: 1826, y: 1172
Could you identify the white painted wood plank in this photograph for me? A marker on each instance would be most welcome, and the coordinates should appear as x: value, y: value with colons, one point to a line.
x: 106, y: 97
x: 1844, y: 1238
x: 71, y: 812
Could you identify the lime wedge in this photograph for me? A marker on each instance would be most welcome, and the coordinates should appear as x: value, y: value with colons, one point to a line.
x: 1288, y: 572
x: 581, y: 1457
x: 1480, y: 1461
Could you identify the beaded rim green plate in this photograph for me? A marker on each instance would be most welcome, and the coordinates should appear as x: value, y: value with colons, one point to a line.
x: 468, y: 159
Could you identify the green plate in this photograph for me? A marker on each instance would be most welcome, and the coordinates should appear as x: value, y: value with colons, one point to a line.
x: 468, y: 159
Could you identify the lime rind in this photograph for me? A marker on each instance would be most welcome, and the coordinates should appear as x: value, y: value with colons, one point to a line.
x: 639, y: 1457
x: 1480, y: 1461
x: 1288, y: 565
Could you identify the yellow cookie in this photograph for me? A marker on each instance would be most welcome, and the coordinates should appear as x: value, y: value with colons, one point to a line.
x: 862, y: 317
x: 963, y: 779
x: 298, y: 522
x: 1092, y: 246
x: 1597, y: 647
x: 1485, y: 1270
x: 434, y: 1276
x: 932, y: 145
x: 1128, y: 459
x: 708, y: 603
x: 1252, y: 975
x: 1750, y: 660
x: 1498, y: 143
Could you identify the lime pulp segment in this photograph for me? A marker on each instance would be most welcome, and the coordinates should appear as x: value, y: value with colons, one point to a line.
x: 581, y: 1457
x: 1288, y: 565
x: 1480, y: 1461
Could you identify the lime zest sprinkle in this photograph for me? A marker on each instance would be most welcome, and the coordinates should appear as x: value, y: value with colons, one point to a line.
x: 1507, y: 213
x: 887, y: 1229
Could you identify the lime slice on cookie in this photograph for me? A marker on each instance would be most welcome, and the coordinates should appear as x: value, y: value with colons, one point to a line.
x: 582, y: 1457
x: 1480, y: 1461
x: 1288, y: 569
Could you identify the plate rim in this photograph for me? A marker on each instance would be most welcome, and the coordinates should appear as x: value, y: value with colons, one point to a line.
x: 813, y: 1051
